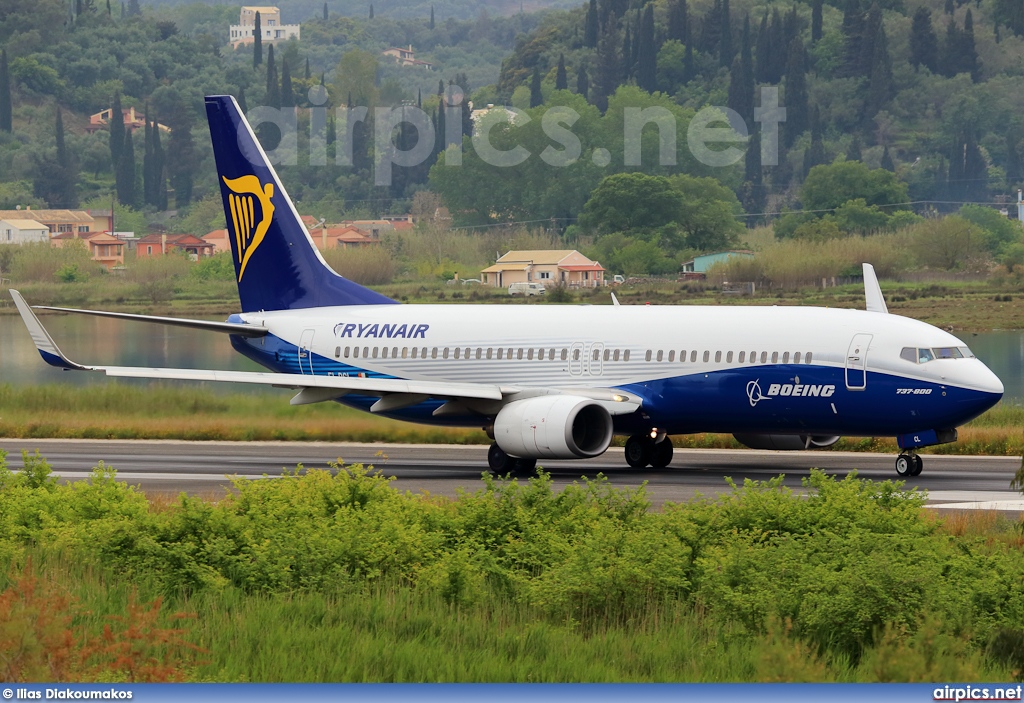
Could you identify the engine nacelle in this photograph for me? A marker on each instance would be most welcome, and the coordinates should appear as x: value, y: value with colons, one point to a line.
x: 784, y: 442
x: 553, y: 427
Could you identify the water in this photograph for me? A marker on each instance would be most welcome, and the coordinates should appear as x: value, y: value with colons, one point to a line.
x: 93, y: 340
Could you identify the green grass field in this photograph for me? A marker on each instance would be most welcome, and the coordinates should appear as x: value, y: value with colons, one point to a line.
x: 315, y: 577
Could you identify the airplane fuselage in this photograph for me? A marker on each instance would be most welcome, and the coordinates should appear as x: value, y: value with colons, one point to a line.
x: 737, y: 369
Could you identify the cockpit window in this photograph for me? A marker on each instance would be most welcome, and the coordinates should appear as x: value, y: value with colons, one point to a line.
x: 921, y: 356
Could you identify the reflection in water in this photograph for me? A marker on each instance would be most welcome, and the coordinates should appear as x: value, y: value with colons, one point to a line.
x: 94, y: 340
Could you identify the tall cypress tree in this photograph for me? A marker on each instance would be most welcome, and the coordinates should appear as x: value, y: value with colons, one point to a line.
x: 725, y: 47
x: 242, y: 104
x: 273, y: 98
x: 536, y: 97
x: 325, y: 12
x: 124, y: 180
x: 887, y: 163
x: 924, y: 44
x: 431, y: 16
x: 853, y: 152
x: 287, y: 92
x: 815, y: 154
x: 677, y: 20
x: 741, y: 79
x: 1014, y: 172
x: 880, y: 85
x: 955, y: 177
x: 975, y: 169
x: 779, y: 46
x: 796, y: 93
x: 711, y: 29
x: 159, y: 170
x: 968, y: 51
x: 853, y: 32
x: 628, y: 65
x: 257, y: 41
x: 646, y: 52
x: 689, y: 70
x: 134, y: 9
x: 763, y: 51
x: 116, y: 125
x: 371, y: 10
x: 872, y: 28
x: 816, y: 21
x: 950, y: 59
x: 307, y: 75
x: 561, y: 79
x: 148, y: 186
x: 582, y: 82
x: 6, y: 111
x: 606, y: 77
x: 590, y: 28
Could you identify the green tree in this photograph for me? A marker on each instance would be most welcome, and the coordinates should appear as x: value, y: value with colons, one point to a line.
x: 273, y: 93
x: 887, y: 163
x: 56, y: 173
x: 561, y: 79
x: 356, y: 77
x: 881, y: 85
x: 797, y: 117
x: 125, y: 173
x: 924, y: 44
x: 536, y: 97
x: 287, y: 91
x: 1002, y: 232
x: 968, y: 51
x: 257, y: 41
x: 857, y: 217
x: 6, y: 120
x: 948, y: 243
x: 631, y: 203
x: 431, y: 17
x: 725, y: 45
x: 708, y: 216
x: 582, y: 83
x: 606, y: 78
x: 590, y: 30
x: 646, y: 57
x: 830, y: 185
x: 117, y: 131
x: 816, y: 21
x: 671, y: 67
x: 677, y: 20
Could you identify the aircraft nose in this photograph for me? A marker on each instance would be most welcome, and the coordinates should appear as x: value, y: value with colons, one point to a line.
x: 988, y: 381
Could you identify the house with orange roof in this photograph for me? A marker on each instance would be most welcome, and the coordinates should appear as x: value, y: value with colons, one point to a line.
x: 219, y: 239
x: 103, y: 247
x: 342, y: 237
x: 162, y: 244
x: 556, y: 267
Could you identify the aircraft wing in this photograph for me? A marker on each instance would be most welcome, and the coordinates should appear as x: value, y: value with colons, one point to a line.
x: 395, y: 393
x: 229, y: 327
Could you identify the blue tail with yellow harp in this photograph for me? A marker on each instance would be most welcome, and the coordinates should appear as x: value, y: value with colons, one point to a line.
x: 277, y: 267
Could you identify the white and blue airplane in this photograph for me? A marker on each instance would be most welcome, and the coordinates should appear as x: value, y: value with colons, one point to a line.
x: 558, y: 382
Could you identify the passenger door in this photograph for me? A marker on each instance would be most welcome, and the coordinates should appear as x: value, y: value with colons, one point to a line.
x: 306, y: 353
x: 857, y: 362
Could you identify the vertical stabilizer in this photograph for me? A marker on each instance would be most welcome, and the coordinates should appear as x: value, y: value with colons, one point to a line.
x: 277, y: 267
x: 872, y: 291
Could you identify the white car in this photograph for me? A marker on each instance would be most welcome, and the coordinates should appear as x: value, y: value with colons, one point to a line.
x: 526, y: 289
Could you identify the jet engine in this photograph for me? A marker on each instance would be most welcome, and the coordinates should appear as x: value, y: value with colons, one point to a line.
x: 785, y: 442
x: 553, y: 427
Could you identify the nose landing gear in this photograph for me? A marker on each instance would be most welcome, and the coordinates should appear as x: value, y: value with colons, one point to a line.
x: 908, y: 465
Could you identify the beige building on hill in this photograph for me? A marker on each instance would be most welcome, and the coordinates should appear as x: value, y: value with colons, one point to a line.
x: 558, y: 267
x: 57, y: 221
x: 23, y: 232
x: 271, y: 29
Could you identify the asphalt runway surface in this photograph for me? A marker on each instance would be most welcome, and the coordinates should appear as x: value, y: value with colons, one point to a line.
x: 204, y: 468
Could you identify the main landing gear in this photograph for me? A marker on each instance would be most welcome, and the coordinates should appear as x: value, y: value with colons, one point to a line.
x: 502, y: 464
x: 642, y: 450
x: 908, y: 465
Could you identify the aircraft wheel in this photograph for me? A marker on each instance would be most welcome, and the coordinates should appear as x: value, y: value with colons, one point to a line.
x: 524, y: 468
x: 905, y: 465
x: 498, y: 461
x: 661, y: 454
x: 639, y: 448
x: 918, y: 465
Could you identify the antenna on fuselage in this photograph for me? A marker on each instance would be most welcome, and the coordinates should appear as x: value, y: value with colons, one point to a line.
x: 872, y: 291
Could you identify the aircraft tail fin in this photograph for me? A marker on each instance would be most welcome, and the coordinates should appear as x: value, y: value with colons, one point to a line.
x: 277, y: 266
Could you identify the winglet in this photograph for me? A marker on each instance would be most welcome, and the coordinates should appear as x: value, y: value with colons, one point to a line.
x: 41, y: 338
x: 872, y: 291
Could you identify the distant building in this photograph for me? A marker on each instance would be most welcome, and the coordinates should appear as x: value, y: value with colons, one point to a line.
x: 57, y: 221
x: 161, y: 244
x: 104, y: 248
x: 557, y: 267
x: 132, y: 121
x: 701, y: 264
x: 342, y: 237
x: 23, y: 232
x: 270, y: 26
x: 407, y: 57
x: 219, y: 239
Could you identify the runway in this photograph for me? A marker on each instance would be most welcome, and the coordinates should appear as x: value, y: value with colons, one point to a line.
x: 203, y: 468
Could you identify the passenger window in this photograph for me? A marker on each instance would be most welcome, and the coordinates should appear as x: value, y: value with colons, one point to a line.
x: 415, y: 352
x: 509, y: 355
x: 576, y: 354
x: 728, y: 358
x: 337, y: 352
x: 807, y: 359
x: 405, y: 352
x: 672, y: 355
x: 682, y: 356
x: 565, y: 354
x: 718, y: 357
x: 743, y: 356
x: 753, y: 357
x: 433, y: 353
x: 423, y: 353
x: 785, y: 358
x: 394, y: 352
x: 625, y: 355
x: 615, y: 356
x: 375, y: 352
x: 500, y: 353
x: 551, y: 353
x: 444, y: 354
x: 796, y: 358
x: 660, y: 354
x: 384, y: 352
x: 775, y: 357
x: 648, y: 355
x: 764, y: 357
x: 693, y: 357
x: 457, y: 352
x: 348, y: 350
x: 366, y: 353
x: 529, y: 354
x: 489, y: 350
x: 540, y: 355
x: 707, y: 356
x: 607, y: 354
x: 520, y: 354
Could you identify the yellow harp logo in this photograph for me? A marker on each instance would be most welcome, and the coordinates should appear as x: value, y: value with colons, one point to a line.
x: 249, y: 234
